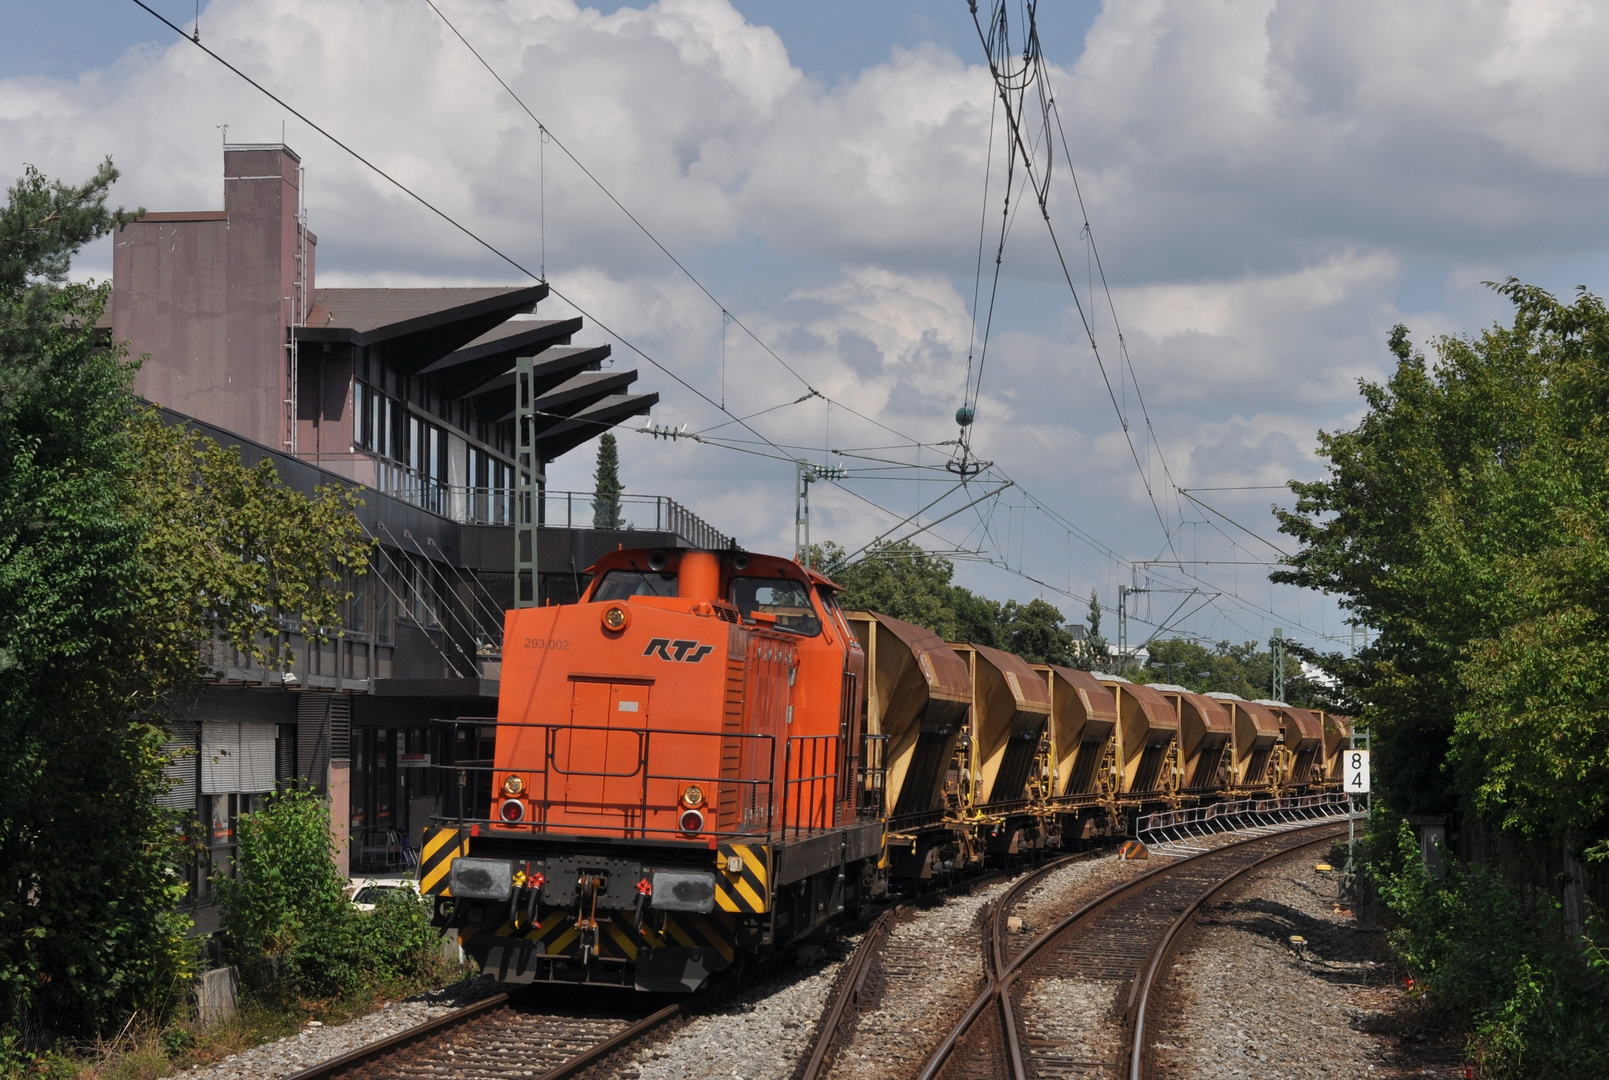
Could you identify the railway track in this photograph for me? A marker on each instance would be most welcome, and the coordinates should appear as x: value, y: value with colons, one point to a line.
x: 1119, y: 940
x: 1114, y: 943
x: 515, y: 1036
x: 500, y: 1037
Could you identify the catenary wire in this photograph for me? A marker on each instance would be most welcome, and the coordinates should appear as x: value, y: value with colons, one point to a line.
x: 560, y: 294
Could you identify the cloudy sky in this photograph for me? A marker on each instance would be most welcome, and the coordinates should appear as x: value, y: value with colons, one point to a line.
x: 1271, y: 184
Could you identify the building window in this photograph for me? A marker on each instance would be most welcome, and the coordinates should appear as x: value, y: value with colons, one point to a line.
x: 375, y: 421
x: 423, y: 590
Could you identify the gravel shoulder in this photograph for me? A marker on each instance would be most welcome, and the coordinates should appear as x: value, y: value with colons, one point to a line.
x: 1241, y: 999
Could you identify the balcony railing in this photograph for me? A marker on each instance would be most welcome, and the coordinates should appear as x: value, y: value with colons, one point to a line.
x: 495, y: 506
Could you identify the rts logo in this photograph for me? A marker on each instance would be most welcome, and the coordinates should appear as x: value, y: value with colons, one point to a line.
x: 688, y: 652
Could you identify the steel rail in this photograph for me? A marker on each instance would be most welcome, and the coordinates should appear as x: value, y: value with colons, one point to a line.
x: 998, y: 982
x: 602, y: 1050
x: 1139, y: 997
x: 850, y: 983
x: 366, y: 1056
x: 369, y: 1052
x: 854, y: 978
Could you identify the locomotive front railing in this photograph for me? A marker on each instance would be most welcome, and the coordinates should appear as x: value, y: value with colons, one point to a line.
x: 468, y: 780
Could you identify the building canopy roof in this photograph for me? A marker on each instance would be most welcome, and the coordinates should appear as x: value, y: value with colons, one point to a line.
x: 467, y: 340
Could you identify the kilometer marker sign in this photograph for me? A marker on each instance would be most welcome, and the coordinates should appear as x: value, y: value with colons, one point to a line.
x: 1355, y: 776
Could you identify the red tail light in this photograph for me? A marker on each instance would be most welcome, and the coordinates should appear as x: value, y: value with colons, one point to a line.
x: 513, y: 810
x: 692, y: 821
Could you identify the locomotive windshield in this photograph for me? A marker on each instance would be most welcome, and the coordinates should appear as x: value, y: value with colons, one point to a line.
x: 788, y: 600
x: 622, y: 584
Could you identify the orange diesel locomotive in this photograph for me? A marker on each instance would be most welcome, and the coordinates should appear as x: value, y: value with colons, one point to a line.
x: 675, y: 780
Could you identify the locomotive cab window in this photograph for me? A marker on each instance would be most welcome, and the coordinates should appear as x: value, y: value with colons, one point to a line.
x: 624, y: 584
x: 788, y: 600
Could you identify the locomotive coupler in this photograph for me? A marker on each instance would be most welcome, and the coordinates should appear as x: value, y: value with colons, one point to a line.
x: 587, y: 889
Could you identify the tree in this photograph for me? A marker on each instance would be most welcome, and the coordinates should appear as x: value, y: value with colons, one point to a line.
x: 1244, y: 670
x: 124, y: 547
x: 1035, y: 632
x: 227, y: 550
x: 898, y: 579
x: 902, y: 580
x: 1463, y: 519
x: 606, y: 485
x: 1094, y: 655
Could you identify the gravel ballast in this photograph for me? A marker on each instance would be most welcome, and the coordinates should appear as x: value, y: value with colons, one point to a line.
x: 759, y: 1034
x: 1240, y: 999
x: 928, y: 970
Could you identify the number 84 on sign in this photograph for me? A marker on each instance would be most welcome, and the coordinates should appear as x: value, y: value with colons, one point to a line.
x: 1355, y: 772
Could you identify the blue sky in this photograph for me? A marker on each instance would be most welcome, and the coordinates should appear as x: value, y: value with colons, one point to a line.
x: 827, y: 39
x: 1273, y: 184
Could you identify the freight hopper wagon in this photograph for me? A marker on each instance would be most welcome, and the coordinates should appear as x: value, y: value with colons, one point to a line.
x: 918, y: 696
x: 1256, y: 736
x: 676, y: 781
x: 1005, y: 779
x: 1302, y: 743
x: 1146, y: 757
x: 1337, y: 737
x: 1205, y: 733
x: 1083, y: 752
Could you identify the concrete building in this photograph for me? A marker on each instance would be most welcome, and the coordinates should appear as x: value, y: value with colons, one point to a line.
x: 408, y: 393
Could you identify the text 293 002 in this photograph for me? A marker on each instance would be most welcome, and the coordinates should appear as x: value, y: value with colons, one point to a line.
x: 553, y: 643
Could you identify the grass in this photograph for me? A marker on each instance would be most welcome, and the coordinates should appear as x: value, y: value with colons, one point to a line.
x: 146, y: 1052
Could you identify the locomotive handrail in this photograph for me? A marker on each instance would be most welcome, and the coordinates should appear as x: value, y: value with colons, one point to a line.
x: 544, y: 800
x: 642, y: 751
x: 811, y: 787
x: 823, y: 754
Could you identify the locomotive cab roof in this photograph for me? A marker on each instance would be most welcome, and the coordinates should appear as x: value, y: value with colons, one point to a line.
x: 731, y: 584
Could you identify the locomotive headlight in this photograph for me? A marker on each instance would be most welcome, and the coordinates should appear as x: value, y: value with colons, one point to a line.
x: 616, y: 617
x: 512, y: 785
x: 693, y: 796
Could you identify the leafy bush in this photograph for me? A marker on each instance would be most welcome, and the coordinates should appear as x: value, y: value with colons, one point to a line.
x: 291, y: 928
x: 1501, y: 964
x: 19, y: 1062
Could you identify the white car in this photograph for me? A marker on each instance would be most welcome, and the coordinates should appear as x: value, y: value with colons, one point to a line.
x: 366, y: 892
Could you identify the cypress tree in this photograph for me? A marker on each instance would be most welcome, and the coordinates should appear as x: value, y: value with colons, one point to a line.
x: 606, y: 485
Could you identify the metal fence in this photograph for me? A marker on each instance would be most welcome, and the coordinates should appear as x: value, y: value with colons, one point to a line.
x: 495, y: 505
x: 1171, y: 832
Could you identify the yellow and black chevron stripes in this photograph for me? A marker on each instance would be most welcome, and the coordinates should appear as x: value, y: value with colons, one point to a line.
x: 621, y: 938
x: 441, y: 847
x: 748, y: 888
